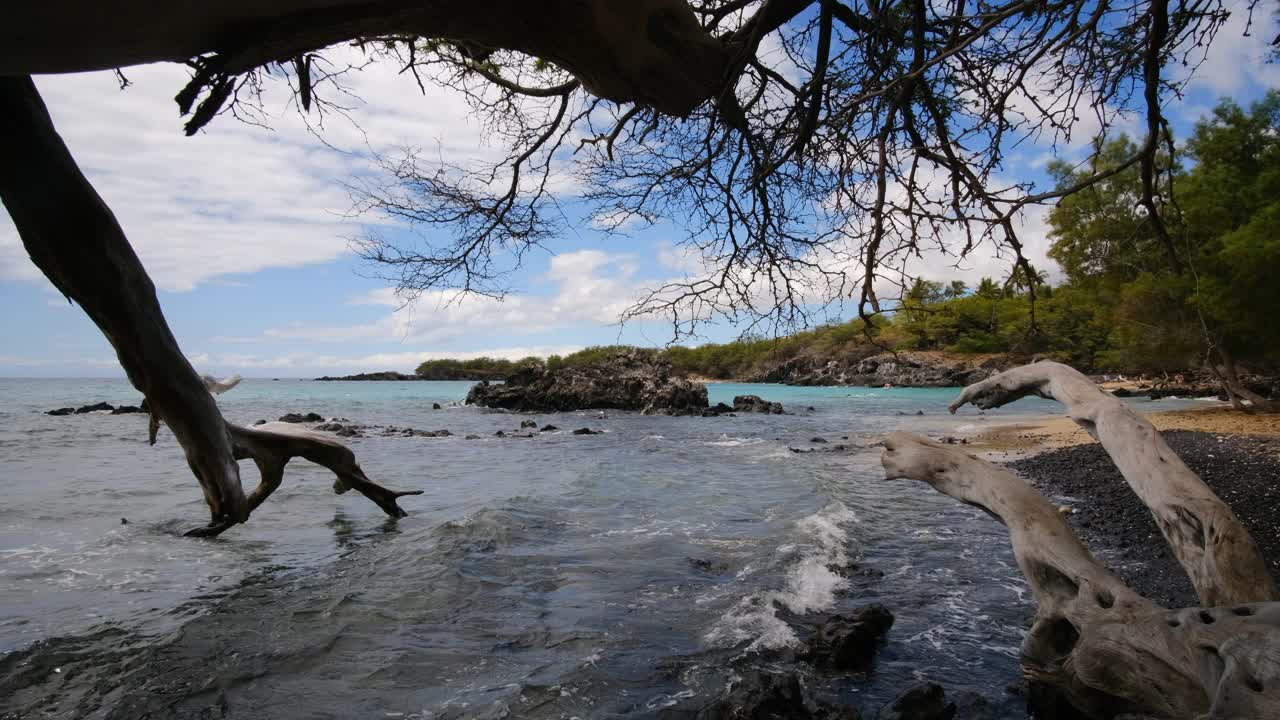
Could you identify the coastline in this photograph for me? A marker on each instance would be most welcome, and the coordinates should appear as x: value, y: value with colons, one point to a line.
x: 1235, y: 453
x: 1034, y: 436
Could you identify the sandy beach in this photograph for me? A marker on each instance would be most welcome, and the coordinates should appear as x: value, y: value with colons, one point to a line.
x: 1051, y: 432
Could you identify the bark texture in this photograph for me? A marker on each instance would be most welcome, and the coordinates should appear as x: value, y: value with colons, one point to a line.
x: 1106, y: 647
x: 648, y: 51
x: 73, y: 237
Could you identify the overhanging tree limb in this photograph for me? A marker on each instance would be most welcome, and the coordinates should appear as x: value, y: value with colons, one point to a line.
x: 74, y: 238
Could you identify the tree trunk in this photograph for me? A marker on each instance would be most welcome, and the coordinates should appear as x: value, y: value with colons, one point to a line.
x: 1237, y: 391
x: 73, y: 237
x: 1106, y: 648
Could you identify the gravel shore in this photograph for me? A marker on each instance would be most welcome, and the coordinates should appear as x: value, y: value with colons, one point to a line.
x: 1243, y: 470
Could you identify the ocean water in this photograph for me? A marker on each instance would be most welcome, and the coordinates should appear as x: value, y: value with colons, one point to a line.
x: 610, y: 575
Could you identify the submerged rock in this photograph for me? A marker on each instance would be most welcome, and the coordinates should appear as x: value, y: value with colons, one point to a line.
x: 528, y: 424
x: 850, y: 643
x: 715, y: 567
x: 126, y: 410
x: 927, y: 701
x: 61, y: 411
x: 549, y: 428
x: 586, y: 431
x: 625, y: 381
x: 754, y: 403
x: 762, y: 695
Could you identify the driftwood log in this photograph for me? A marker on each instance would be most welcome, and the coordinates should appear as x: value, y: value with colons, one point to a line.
x: 75, y: 240
x: 1108, y: 649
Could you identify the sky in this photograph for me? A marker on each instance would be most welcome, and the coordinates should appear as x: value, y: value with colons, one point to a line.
x: 244, y: 230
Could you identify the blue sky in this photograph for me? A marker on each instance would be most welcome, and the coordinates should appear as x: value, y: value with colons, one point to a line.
x: 244, y: 231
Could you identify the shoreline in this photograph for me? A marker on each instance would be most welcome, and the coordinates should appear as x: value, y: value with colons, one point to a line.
x: 1241, y: 469
x: 1034, y: 436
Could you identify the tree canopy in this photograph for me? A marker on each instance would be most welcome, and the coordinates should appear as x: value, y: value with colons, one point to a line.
x: 812, y: 148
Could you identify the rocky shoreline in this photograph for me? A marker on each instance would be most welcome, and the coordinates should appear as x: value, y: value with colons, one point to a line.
x: 1243, y: 470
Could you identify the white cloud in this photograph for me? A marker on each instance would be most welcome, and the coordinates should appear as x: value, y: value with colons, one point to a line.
x: 1236, y: 62
x: 404, y: 361
x: 236, y: 198
x: 591, y: 287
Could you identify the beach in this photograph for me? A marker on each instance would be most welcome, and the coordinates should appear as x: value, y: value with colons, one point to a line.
x: 1236, y: 454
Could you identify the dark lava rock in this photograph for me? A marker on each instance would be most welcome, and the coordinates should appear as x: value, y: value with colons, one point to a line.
x: 388, y: 375
x: 549, y: 428
x: 850, y: 643
x: 753, y: 403
x: 436, y: 406
x: 297, y: 418
x: 626, y: 381
x: 906, y: 369
x: 94, y: 408
x: 1119, y: 529
x: 818, y: 440
x: 927, y: 701
x: 341, y: 430
x: 126, y: 410
x: 762, y: 695
x: 586, y: 431
x: 718, y: 409
x: 528, y: 424
x: 61, y: 411
x: 500, y: 433
x: 714, y: 567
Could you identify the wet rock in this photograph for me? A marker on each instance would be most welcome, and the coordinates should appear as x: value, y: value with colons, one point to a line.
x: 500, y: 433
x: 436, y: 406
x: 341, y: 430
x: 850, y: 643
x: 96, y: 407
x: 126, y: 410
x: 549, y: 428
x: 754, y: 403
x: 299, y: 418
x: 762, y: 695
x: 61, y: 411
x: 927, y: 701
x: 528, y: 424
x: 586, y: 431
x: 817, y: 440
x: 626, y: 381
x: 714, y: 567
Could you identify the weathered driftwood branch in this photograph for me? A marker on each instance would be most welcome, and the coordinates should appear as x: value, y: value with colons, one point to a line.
x: 1205, y: 536
x: 73, y: 237
x: 271, y: 446
x: 1107, y: 648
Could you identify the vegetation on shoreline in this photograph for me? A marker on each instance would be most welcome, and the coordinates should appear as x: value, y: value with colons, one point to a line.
x: 1123, y: 306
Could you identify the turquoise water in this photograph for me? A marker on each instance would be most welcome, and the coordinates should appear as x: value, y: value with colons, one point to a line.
x: 550, y: 576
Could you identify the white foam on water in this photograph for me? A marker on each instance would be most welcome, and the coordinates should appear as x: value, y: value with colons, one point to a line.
x: 809, y: 585
x: 726, y: 441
